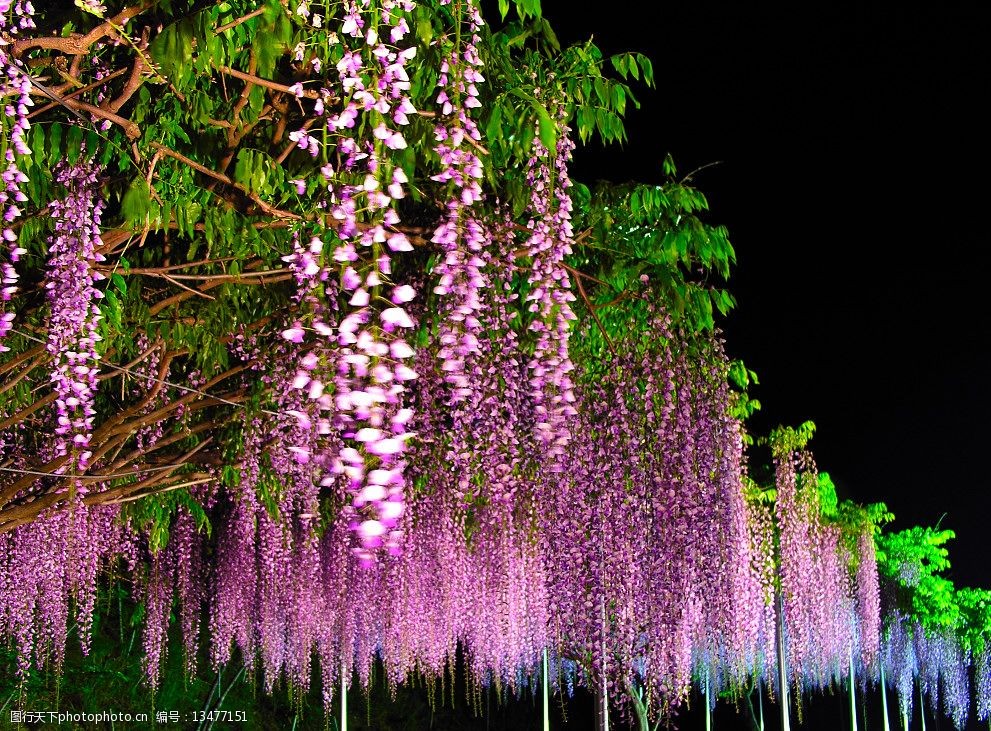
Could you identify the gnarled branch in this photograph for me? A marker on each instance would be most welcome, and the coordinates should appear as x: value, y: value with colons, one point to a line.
x: 77, y: 44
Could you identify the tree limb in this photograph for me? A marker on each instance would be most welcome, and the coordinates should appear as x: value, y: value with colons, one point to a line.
x: 76, y: 44
x: 591, y: 310
x: 267, y: 208
x: 77, y: 92
x: 132, y: 84
x: 234, y: 23
x: 132, y: 130
x: 267, y: 83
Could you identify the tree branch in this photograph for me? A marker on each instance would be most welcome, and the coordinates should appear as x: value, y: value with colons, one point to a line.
x: 234, y: 23
x: 222, y: 178
x: 77, y: 92
x: 77, y: 44
x: 25, y: 413
x: 292, y: 146
x: 132, y: 130
x: 9, y: 383
x: 132, y: 84
x: 180, y: 285
x: 16, y: 361
x: 267, y: 83
x: 591, y: 309
x: 158, y: 490
x: 118, y: 429
x: 128, y: 460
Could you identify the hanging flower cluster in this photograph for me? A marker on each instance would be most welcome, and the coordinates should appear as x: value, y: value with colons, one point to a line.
x: 72, y: 326
x: 233, y: 610
x: 460, y: 236
x: 281, y: 593
x: 816, y: 589
x: 631, y: 556
x: 315, y: 295
x: 372, y: 348
x: 653, y: 476
x: 743, y: 621
x: 899, y: 660
x: 550, y: 293
x: 982, y: 683
x: 760, y: 537
x: 943, y: 671
x: 868, y: 602
x: 367, y: 350
x: 488, y: 432
x: 267, y: 601
x: 157, y: 596
x: 48, y: 566
x: 15, y: 92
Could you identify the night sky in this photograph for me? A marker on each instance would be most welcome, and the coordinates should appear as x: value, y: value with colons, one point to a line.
x: 852, y: 178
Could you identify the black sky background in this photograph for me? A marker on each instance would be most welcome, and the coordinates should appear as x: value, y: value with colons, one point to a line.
x: 853, y: 164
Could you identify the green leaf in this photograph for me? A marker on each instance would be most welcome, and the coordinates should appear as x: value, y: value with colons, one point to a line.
x: 244, y: 167
x: 172, y: 49
x: 619, y: 63
x: 668, y: 166
x: 493, y: 129
x: 111, y: 308
x: 73, y: 144
x: 256, y: 100
x: 37, y: 139
x: 634, y: 70
x: 135, y: 206
x: 424, y: 30
x: 92, y: 142
x: 547, y: 128
x: 619, y: 98
x: 192, y: 212
x: 648, y: 69
x: 586, y: 122
x: 54, y: 144
x: 601, y: 91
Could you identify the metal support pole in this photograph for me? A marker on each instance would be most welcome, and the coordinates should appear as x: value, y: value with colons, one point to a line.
x: 782, y: 666
x: 547, y: 702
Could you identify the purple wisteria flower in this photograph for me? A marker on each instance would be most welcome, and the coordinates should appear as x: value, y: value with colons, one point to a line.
x: 75, y: 314
x: 15, y: 91
x: 357, y: 373
x: 460, y: 236
x: 550, y: 294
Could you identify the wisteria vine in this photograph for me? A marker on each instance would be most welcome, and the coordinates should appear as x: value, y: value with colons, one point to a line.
x: 75, y: 313
x: 414, y: 461
x: 15, y: 91
x: 550, y: 296
x: 365, y: 350
x: 460, y: 236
